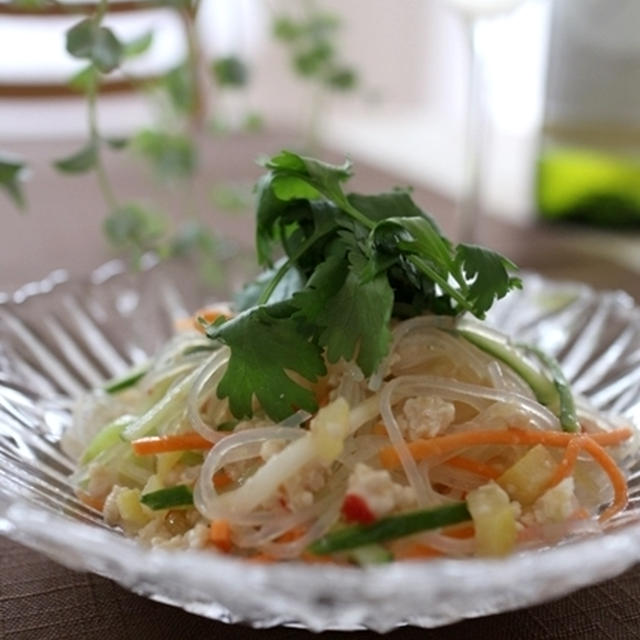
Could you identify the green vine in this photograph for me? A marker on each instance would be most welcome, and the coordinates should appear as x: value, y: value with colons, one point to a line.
x: 171, y: 147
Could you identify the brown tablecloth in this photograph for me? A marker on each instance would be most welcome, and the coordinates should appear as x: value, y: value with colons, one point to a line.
x: 41, y: 600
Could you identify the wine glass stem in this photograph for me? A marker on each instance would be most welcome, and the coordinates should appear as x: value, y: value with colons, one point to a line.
x: 469, y: 202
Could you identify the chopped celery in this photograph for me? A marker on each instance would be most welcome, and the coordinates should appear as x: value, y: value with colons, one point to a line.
x: 370, y: 554
x: 106, y: 438
x: 391, y: 527
x: 127, y: 380
x: 171, y: 498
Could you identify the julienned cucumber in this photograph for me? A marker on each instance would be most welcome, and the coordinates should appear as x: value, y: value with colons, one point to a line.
x: 553, y: 392
x: 498, y: 347
x: 108, y: 436
x: 391, y: 528
x: 370, y: 554
x: 171, y: 498
x: 127, y: 380
x: 568, y: 417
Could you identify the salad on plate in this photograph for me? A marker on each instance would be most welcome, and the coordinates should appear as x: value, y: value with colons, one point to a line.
x: 350, y: 406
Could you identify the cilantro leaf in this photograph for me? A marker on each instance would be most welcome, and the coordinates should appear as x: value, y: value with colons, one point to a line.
x: 271, y: 210
x: 299, y: 174
x: 324, y: 283
x: 291, y: 282
x: 350, y: 263
x: 263, y: 347
x: 419, y: 236
x: 392, y: 204
x: 357, y: 319
x: 488, y: 274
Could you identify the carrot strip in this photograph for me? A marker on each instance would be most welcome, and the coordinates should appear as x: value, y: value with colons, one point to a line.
x: 292, y: 534
x: 192, y: 322
x: 460, y: 533
x: 221, y: 479
x: 164, y: 444
x: 423, y: 448
x: 617, y: 479
x: 322, y: 392
x: 312, y: 558
x: 220, y: 534
x: 416, y: 551
x: 90, y: 501
x: 261, y: 558
x: 581, y: 514
x: 567, y: 464
x: 479, y: 468
x: 379, y: 429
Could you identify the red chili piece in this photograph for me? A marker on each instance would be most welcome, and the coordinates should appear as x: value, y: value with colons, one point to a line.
x: 356, y: 509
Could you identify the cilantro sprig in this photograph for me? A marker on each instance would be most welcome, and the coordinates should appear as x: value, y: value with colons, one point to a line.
x: 351, y: 262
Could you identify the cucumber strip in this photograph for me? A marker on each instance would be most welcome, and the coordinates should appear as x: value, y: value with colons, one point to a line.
x: 171, y: 498
x: 370, y: 554
x: 200, y: 348
x: 391, y: 528
x: 108, y: 436
x: 229, y: 425
x: 167, y: 409
x: 544, y: 389
x: 127, y: 380
x: 568, y: 416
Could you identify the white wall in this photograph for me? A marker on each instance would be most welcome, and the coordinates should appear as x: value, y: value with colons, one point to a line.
x: 408, y: 116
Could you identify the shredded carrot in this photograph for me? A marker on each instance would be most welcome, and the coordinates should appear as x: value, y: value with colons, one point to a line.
x: 192, y: 322
x: 425, y: 448
x: 90, y: 501
x: 164, y: 444
x: 468, y: 464
x: 567, y: 464
x: 183, y: 324
x: 261, y: 558
x: 416, y: 551
x: 379, y: 429
x: 312, y: 558
x: 460, y: 533
x: 220, y: 534
x: 322, y: 392
x: 617, y: 479
x: 580, y: 514
x: 292, y: 534
x: 221, y: 479
x: 592, y: 443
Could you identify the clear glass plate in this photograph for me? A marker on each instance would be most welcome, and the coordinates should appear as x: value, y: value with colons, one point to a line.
x: 58, y: 337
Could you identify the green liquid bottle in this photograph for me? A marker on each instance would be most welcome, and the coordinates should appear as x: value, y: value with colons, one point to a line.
x: 589, y: 162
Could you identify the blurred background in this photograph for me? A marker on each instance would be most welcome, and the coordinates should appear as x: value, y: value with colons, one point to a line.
x: 133, y: 126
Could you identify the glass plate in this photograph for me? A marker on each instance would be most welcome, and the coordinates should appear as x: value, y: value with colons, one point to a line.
x: 58, y: 337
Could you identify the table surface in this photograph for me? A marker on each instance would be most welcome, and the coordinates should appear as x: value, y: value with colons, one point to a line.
x: 42, y: 600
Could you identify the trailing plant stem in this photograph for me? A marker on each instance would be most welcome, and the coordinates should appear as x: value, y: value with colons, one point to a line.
x: 101, y: 173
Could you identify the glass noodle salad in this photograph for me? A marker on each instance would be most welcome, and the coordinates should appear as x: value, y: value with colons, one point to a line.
x: 350, y: 407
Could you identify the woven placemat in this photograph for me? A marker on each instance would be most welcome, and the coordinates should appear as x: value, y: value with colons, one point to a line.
x: 40, y: 600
